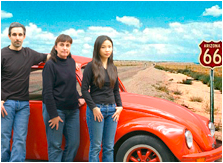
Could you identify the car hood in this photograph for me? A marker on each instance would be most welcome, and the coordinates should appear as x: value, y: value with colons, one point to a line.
x: 170, y: 111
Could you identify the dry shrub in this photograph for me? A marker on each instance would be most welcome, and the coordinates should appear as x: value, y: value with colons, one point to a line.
x: 186, y: 106
x: 177, y: 92
x: 189, y: 66
x: 196, y: 99
x: 162, y: 88
x: 218, y: 125
x: 206, y: 107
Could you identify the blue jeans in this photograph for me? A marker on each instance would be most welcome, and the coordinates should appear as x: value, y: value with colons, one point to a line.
x: 102, y: 132
x: 70, y: 128
x: 17, y: 119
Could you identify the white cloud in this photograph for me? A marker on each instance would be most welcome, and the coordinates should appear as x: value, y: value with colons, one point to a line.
x: 177, y: 27
x: 72, y: 32
x: 5, y: 32
x: 129, y: 37
x: 213, y: 11
x: 35, y: 33
x: 97, y: 30
x: 155, y: 35
x: 102, y: 29
x: 174, y: 42
x: 129, y: 20
x: 36, y: 38
x: 4, y: 37
x: 5, y: 14
x: 87, y: 39
x: 177, y: 42
x: 84, y: 51
x: 87, y: 46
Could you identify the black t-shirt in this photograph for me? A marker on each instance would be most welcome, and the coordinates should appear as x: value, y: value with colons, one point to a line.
x: 59, y: 86
x: 105, y: 95
x: 15, y: 71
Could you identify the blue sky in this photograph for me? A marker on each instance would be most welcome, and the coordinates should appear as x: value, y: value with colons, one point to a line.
x: 140, y: 30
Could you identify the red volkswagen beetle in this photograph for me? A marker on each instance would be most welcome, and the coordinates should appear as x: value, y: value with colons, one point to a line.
x: 149, y: 129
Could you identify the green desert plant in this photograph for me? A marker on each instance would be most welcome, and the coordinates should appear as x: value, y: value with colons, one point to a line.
x: 204, y: 78
x: 187, y: 81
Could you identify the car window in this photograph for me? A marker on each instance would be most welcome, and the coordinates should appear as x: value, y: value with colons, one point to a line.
x: 35, y: 85
x: 78, y: 88
x: 78, y: 85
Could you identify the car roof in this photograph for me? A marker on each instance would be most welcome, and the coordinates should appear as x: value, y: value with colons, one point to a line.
x: 81, y: 60
x: 78, y: 59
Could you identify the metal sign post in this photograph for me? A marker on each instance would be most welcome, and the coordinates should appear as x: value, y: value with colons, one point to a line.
x: 211, y: 56
x: 212, y: 95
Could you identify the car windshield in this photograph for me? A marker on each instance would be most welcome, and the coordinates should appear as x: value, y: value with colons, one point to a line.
x: 35, y: 84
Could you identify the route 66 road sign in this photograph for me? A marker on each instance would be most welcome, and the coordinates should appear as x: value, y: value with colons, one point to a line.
x: 211, y: 54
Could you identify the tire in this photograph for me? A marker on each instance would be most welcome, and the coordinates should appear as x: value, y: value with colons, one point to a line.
x: 143, y: 148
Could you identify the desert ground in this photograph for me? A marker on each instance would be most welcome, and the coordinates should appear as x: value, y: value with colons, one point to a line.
x: 143, y: 78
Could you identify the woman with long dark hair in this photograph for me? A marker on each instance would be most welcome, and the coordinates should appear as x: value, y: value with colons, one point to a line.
x: 61, y: 102
x: 103, y: 101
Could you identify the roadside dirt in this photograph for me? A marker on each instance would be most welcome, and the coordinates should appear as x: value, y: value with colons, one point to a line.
x: 145, y: 79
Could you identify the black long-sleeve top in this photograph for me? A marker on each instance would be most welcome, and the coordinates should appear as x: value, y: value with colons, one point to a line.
x: 59, y: 86
x: 105, y: 95
x: 15, y: 71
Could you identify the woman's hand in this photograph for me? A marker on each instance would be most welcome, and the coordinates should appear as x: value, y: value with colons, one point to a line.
x: 81, y: 102
x: 3, y: 111
x: 97, y: 114
x: 117, y: 113
x: 55, y: 122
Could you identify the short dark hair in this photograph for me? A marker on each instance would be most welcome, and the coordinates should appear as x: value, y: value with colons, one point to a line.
x: 16, y: 24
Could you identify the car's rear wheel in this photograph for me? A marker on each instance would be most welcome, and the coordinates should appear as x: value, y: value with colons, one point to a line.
x: 143, y: 148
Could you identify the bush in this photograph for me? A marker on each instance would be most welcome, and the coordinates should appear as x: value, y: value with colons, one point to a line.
x: 196, y: 99
x: 196, y: 75
x: 218, y: 83
x: 205, y: 79
x: 159, y: 67
x: 171, y: 98
x: 180, y: 71
x: 162, y: 88
x: 177, y: 92
x: 186, y: 71
x: 187, y: 81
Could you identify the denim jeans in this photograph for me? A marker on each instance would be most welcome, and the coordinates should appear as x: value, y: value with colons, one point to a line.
x: 17, y: 119
x: 102, y: 132
x: 70, y: 128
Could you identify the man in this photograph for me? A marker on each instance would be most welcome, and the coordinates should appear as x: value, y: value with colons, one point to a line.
x: 16, y: 62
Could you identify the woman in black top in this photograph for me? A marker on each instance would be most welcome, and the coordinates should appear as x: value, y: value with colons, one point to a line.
x: 61, y: 102
x: 103, y: 101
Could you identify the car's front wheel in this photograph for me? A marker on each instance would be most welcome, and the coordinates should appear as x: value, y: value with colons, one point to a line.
x: 143, y: 148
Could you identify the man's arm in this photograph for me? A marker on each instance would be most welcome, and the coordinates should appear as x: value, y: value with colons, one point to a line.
x: 38, y: 57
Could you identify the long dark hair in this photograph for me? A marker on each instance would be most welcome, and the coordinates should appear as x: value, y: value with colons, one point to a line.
x: 60, y: 38
x: 97, y: 67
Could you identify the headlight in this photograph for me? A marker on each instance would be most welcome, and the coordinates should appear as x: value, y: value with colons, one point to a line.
x: 212, y: 128
x: 189, y: 138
